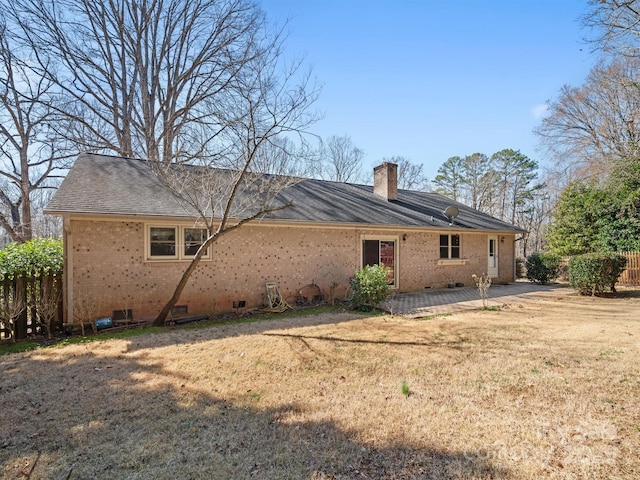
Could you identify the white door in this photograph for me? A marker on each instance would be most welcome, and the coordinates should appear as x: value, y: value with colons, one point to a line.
x: 492, y: 266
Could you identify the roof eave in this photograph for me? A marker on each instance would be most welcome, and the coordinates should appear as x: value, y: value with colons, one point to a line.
x: 285, y: 222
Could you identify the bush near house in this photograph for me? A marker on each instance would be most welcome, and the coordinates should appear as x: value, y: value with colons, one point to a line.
x: 593, y: 273
x: 30, y: 288
x: 542, y: 268
x: 370, y: 287
x: 521, y: 271
x: 40, y: 256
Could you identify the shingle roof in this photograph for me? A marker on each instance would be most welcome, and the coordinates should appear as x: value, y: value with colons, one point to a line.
x: 104, y: 185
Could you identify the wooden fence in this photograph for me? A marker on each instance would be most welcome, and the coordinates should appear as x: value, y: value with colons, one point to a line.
x: 631, y: 274
x: 30, y: 306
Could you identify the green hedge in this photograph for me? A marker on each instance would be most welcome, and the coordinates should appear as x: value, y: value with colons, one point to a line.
x: 542, y: 268
x: 40, y: 256
x: 370, y: 287
x: 593, y: 273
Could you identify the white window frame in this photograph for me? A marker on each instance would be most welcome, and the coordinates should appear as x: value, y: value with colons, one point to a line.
x: 450, y: 246
x: 148, y: 241
x: 180, y: 243
x: 449, y: 260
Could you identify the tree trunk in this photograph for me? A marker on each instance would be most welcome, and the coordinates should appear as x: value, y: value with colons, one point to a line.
x: 222, y: 230
x: 162, y: 316
x: 26, y: 227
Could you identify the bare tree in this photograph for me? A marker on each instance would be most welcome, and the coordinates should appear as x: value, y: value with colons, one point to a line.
x: 200, y: 88
x: 534, y: 216
x: 590, y: 127
x: 86, y: 311
x: 224, y: 200
x: 282, y: 156
x: 615, y: 26
x: 45, y: 225
x: 145, y: 79
x: 47, y: 299
x: 268, y: 106
x: 342, y: 160
x: 11, y: 307
x: 28, y: 152
x: 410, y: 175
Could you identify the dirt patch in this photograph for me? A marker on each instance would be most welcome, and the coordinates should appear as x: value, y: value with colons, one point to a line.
x: 548, y: 387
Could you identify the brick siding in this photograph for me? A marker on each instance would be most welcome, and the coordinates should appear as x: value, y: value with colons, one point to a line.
x: 109, y: 266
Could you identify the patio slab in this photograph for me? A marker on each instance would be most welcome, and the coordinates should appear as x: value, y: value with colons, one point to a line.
x: 440, y: 301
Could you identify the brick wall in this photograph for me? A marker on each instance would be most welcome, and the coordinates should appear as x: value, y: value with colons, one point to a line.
x: 109, y: 267
x: 419, y: 261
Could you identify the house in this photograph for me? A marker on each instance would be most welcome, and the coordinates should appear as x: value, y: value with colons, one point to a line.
x: 127, y: 241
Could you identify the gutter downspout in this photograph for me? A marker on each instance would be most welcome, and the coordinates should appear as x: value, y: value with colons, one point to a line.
x: 67, y: 249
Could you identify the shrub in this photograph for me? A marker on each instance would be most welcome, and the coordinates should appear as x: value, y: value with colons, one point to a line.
x: 40, y: 256
x: 542, y: 268
x: 483, y: 282
x: 520, y: 267
x: 592, y: 273
x: 563, y: 271
x: 370, y: 287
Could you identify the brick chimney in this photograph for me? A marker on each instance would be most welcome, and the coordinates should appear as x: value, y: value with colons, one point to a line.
x: 385, y: 181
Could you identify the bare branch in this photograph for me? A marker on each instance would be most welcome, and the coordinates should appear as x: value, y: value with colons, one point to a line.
x: 343, y: 160
x: 410, y: 175
x: 199, y: 88
x: 25, y: 126
x: 616, y: 25
x: 590, y: 127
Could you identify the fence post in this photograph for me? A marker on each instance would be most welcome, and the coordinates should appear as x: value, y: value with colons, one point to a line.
x: 5, y: 286
x: 631, y: 274
x: 60, y: 297
x: 21, y: 321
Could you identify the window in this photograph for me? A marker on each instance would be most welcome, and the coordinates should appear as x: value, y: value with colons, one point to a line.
x: 450, y: 246
x: 163, y: 242
x: 175, y: 243
x: 380, y: 251
x: 193, y: 239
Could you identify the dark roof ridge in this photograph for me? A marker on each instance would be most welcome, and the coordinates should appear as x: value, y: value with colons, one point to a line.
x: 187, y: 164
x: 115, y: 157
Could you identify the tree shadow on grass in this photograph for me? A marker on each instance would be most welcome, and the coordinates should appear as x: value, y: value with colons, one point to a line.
x: 194, y: 333
x: 96, y: 416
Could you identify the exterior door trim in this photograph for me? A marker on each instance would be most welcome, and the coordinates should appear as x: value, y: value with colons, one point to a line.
x: 492, y: 256
x: 395, y: 253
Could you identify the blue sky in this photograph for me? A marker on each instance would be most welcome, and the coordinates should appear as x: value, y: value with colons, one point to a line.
x: 432, y: 79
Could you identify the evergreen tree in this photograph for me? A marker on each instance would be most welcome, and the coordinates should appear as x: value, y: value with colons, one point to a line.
x: 516, y: 174
x: 595, y: 217
x: 450, y: 179
x: 478, y: 181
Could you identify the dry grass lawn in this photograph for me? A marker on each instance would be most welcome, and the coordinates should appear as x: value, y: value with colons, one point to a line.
x: 546, y: 388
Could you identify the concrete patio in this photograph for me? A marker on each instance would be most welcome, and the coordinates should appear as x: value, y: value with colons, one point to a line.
x: 449, y: 300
